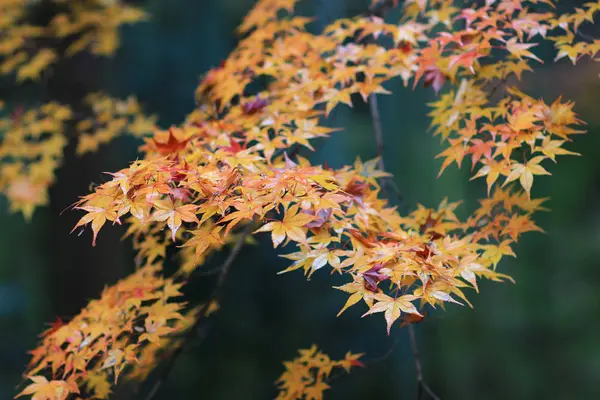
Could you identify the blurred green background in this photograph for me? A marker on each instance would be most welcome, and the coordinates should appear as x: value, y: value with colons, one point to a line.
x: 537, y: 339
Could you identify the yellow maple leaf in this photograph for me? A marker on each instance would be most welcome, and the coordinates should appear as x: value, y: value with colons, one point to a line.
x: 292, y: 226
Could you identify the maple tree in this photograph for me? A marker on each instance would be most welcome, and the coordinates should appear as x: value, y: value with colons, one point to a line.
x: 232, y: 169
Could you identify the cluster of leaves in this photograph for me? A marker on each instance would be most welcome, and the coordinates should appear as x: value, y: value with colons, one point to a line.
x: 28, y: 48
x: 227, y: 164
x: 306, y: 376
x: 511, y: 139
x: 110, y: 119
x: 30, y: 151
x: 136, y: 317
x: 33, y: 141
x: 233, y: 164
x: 33, y: 138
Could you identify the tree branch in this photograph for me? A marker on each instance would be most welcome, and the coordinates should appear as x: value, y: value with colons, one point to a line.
x: 199, y: 329
x: 378, y: 132
x: 377, y: 129
x: 421, y: 385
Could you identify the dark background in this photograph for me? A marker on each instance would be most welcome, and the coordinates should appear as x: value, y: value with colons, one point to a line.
x: 537, y: 339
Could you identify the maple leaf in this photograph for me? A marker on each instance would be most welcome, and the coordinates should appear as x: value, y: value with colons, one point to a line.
x: 202, y: 239
x: 520, y: 50
x: 54, y: 326
x: 495, y: 253
x: 42, y: 389
x: 435, y: 78
x: 99, y: 384
x: 358, y: 291
x: 468, y: 268
x: 304, y: 377
x: 167, y: 211
x: 315, y: 392
x: 523, y: 120
x: 454, y: 153
x: 492, y: 171
x: 480, y: 148
x: 373, y: 276
x: 410, y: 319
x: 169, y: 146
x: 525, y: 173
x: 519, y: 224
x: 293, y: 226
x: 341, y: 96
x: 97, y: 216
x: 466, y: 59
x: 443, y: 296
x: 234, y: 146
x: 155, y: 328
x: 393, y: 307
x: 552, y: 148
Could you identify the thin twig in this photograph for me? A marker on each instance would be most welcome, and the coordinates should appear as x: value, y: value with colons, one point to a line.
x: 197, y: 329
x: 386, y: 355
x: 231, y: 258
x: 209, y: 272
x: 586, y: 36
x: 376, y: 360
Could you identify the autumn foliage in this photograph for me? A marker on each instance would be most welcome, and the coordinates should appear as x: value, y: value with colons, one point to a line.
x: 232, y: 168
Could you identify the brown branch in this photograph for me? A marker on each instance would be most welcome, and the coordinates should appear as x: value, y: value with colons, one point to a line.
x: 421, y: 385
x: 199, y: 329
x: 377, y: 129
x: 415, y: 351
x: 378, y: 132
